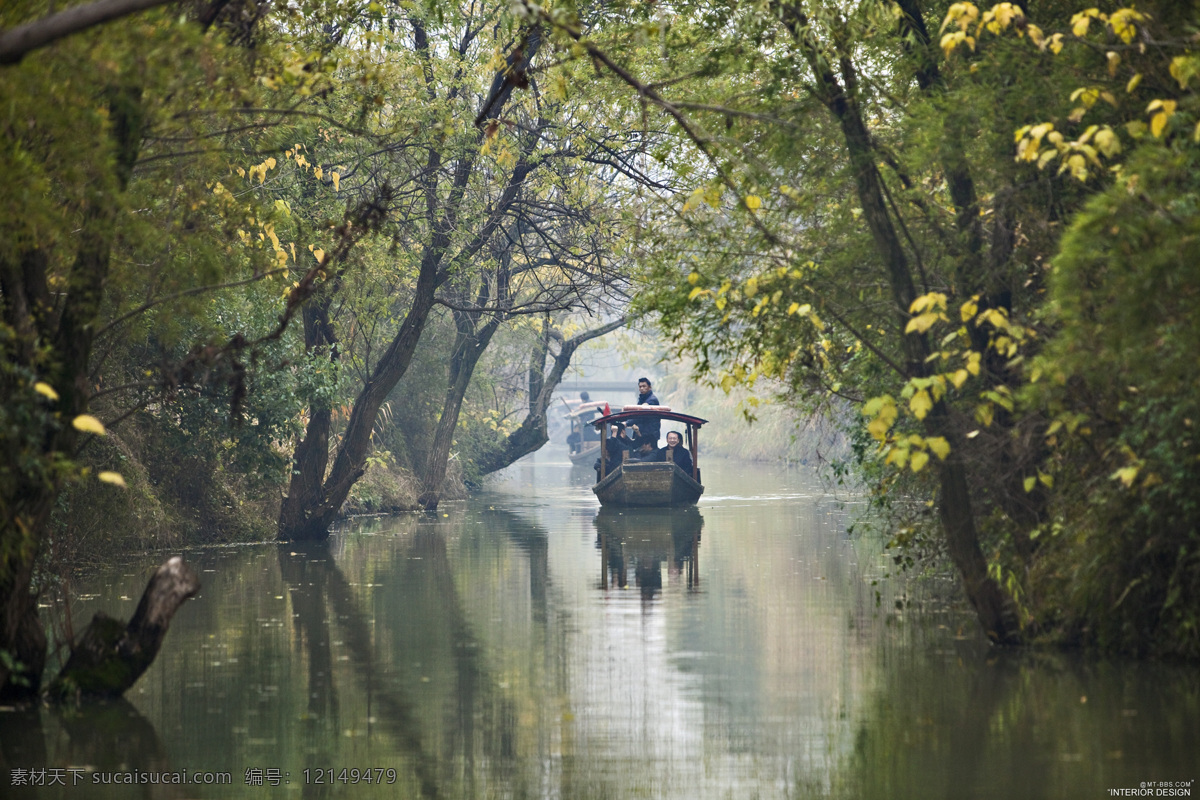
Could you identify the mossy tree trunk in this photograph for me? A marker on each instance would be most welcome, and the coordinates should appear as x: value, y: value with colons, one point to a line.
x: 110, y: 656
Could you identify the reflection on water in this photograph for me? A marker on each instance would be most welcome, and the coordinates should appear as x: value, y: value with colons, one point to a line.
x: 644, y: 539
x: 528, y: 644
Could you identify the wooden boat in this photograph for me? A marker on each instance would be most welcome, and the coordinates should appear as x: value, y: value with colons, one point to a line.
x: 586, y: 454
x: 584, y: 450
x: 648, y: 483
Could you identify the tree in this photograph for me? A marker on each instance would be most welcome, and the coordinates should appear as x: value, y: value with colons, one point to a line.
x: 443, y: 241
x: 110, y: 225
x: 555, y: 255
x: 861, y: 229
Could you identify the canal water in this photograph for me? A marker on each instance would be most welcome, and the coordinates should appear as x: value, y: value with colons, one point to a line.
x: 525, y: 644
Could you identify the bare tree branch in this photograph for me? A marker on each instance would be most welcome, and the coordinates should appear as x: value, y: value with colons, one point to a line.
x: 16, y: 42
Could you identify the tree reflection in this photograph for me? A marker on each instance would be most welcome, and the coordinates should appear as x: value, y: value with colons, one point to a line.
x: 968, y: 722
x: 315, y: 581
x: 410, y: 646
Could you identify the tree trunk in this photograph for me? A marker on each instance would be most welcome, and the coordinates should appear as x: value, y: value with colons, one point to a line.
x: 22, y: 637
x: 311, y: 458
x: 28, y: 496
x: 469, y: 347
x: 532, y: 434
x: 993, y: 607
x: 307, y: 516
x: 109, y: 657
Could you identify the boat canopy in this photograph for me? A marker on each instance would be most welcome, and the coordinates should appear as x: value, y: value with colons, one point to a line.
x: 641, y: 412
x: 583, y: 408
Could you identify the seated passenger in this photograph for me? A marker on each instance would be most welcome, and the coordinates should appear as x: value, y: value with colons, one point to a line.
x: 617, y: 445
x: 675, y: 451
x: 645, y: 451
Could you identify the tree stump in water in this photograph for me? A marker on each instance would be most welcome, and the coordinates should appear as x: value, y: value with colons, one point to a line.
x: 110, y: 657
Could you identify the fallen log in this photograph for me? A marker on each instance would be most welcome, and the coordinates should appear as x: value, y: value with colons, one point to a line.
x: 110, y: 657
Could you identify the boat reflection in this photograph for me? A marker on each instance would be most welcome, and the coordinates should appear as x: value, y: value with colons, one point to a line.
x: 640, y: 540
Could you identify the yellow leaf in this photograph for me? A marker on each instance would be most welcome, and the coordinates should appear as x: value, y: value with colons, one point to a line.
x: 973, y: 363
x: 897, y: 456
x: 319, y: 255
x: 1157, y: 123
x: 984, y: 414
x: 696, y: 292
x: 1077, y: 164
x: 1107, y: 142
x: 962, y: 14
x: 919, y: 460
x: 693, y: 278
x: 884, y: 410
x: 46, y: 390
x: 1114, y: 61
x: 920, y: 404
x: 1133, y: 83
x: 1122, y: 23
x: 952, y: 40
x: 88, y: 424
x: 923, y: 322
x: 753, y: 202
x: 112, y: 477
x: 1167, y: 106
x: 931, y: 300
x: 1080, y: 22
x: 1030, y: 482
x: 939, y: 446
x: 1184, y: 68
x: 336, y: 180
x: 959, y: 377
x: 1126, y: 475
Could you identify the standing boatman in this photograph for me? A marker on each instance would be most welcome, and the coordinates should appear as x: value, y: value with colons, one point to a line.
x: 645, y: 393
x: 648, y: 431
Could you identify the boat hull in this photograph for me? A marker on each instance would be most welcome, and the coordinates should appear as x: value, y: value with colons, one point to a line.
x: 589, y: 453
x: 649, y: 484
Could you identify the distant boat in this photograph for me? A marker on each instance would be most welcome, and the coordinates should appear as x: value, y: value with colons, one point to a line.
x: 630, y: 482
x: 581, y: 448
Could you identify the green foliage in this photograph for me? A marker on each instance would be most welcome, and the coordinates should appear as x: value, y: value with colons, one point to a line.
x: 1126, y: 548
x: 905, y: 269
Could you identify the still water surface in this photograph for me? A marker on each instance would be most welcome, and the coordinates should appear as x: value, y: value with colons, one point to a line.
x: 526, y: 645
